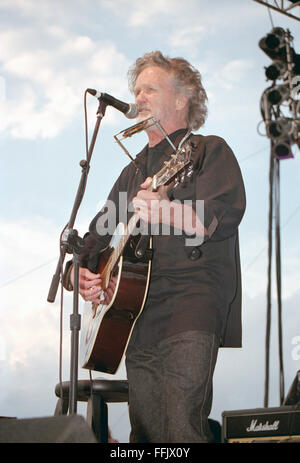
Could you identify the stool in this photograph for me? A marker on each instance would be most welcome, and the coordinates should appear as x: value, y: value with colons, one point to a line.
x: 97, y: 393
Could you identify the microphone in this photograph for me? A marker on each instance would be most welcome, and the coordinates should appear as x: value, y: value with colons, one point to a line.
x: 130, y: 110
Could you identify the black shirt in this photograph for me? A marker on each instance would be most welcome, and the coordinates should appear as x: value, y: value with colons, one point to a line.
x: 184, y: 293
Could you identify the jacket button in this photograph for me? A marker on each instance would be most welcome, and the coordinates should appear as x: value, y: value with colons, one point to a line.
x: 195, y: 254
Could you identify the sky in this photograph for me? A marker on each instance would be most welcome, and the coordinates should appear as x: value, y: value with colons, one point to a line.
x: 50, y: 53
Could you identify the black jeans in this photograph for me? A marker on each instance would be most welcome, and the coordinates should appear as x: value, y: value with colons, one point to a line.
x: 170, y: 388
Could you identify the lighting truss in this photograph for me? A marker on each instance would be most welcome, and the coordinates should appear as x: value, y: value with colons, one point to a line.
x: 280, y: 109
x: 283, y: 6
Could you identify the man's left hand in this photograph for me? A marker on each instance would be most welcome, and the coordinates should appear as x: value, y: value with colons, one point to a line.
x: 150, y: 205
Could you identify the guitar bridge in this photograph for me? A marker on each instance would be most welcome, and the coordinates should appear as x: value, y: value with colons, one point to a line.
x: 123, y: 314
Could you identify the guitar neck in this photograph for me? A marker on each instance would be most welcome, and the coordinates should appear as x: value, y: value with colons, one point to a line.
x: 129, y: 229
x: 122, y: 242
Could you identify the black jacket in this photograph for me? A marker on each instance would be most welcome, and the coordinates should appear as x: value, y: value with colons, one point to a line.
x: 186, y: 293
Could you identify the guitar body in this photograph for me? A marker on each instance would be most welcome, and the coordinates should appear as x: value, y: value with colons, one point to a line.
x: 106, y: 328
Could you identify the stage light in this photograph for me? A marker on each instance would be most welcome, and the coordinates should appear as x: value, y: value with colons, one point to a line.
x: 273, y: 44
x: 280, y: 104
x: 282, y: 149
x: 277, y: 94
x: 277, y: 46
x: 284, y: 135
x: 275, y: 70
x: 280, y: 128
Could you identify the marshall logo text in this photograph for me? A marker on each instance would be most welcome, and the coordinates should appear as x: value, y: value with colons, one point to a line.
x: 254, y: 427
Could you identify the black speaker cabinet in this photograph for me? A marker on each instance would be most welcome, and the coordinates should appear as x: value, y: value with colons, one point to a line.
x: 54, y: 429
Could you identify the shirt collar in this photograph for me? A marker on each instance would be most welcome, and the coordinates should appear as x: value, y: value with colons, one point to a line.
x: 163, y: 147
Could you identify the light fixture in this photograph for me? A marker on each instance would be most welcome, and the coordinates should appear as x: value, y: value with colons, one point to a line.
x: 276, y: 70
x: 278, y: 94
x: 279, y: 102
x: 280, y: 127
x: 277, y: 46
x: 282, y: 149
x: 273, y: 44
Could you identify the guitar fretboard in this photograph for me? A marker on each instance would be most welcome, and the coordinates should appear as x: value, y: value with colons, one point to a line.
x: 118, y: 250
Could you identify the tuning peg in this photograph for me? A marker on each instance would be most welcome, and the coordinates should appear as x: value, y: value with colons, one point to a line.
x: 190, y: 171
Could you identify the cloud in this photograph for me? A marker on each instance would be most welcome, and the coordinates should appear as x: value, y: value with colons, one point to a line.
x: 46, y: 66
x: 187, y: 37
x: 227, y: 76
x: 46, y: 75
x: 139, y: 15
x: 45, y: 10
x: 28, y: 331
x: 234, y: 71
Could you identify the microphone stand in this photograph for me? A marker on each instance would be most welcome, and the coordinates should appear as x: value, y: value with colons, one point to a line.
x: 71, y: 243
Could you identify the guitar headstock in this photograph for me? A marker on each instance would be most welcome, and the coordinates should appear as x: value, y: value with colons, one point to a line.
x: 177, y: 163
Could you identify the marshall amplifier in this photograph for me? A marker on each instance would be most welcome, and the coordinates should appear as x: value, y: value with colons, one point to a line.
x: 279, y: 424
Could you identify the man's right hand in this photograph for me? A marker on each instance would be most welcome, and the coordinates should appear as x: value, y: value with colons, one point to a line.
x: 89, y: 284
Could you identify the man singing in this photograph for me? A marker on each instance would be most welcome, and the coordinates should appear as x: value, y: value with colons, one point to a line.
x: 193, y: 304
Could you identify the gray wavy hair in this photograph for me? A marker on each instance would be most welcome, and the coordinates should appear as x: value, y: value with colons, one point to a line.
x: 187, y: 81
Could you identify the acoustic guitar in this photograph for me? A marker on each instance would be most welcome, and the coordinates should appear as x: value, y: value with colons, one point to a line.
x: 107, y: 327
